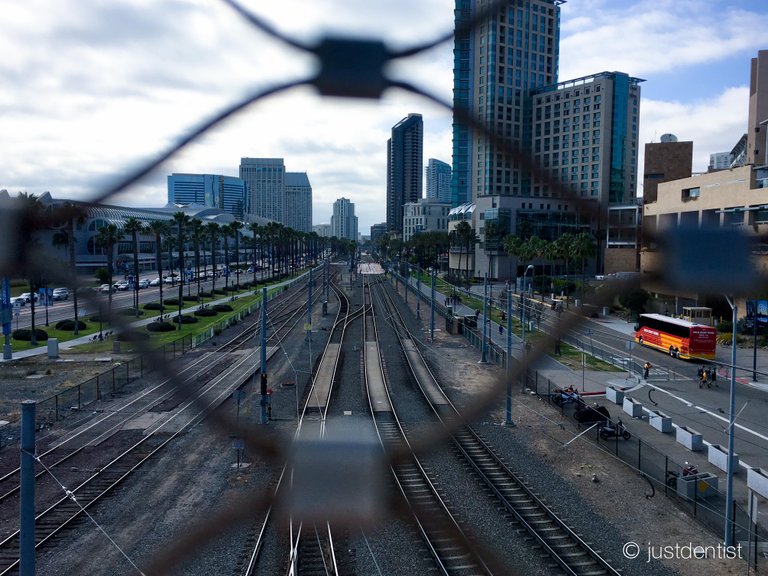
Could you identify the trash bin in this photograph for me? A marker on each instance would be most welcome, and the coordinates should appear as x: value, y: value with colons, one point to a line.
x: 697, y: 486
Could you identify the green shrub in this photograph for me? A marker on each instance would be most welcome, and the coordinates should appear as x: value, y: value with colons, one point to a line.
x: 222, y: 308
x: 185, y: 319
x: 190, y: 298
x: 205, y: 294
x: 152, y: 306
x: 69, y: 325
x: 206, y: 312
x: 160, y: 327
x: 171, y: 302
x: 25, y: 335
x: 220, y: 291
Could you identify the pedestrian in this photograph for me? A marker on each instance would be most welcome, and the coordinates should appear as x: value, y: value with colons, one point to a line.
x: 477, y: 314
x: 705, y: 378
x: 646, y: 370
x: 713, y: 375
x: 503, y: 316
x: 501, y: 329
x: 700, y: 374
x: 557, y: 347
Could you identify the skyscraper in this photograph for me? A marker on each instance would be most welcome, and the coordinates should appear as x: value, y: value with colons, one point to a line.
x: 404, y: 168
x: 265, y: 186
x: 757, y: 130
x: 344, y: 221
x: 298, y: 201
x: 438, y: 181
x: 213, y: 190
x: 584, y: 131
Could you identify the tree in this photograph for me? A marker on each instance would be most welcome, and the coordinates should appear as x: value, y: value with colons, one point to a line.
x: 468, y: 239
x: 635, y: 300
x: 256, y: 231
x: 66, y: 238
x: 158, y: 228
x: 236, y: 226
x: 135, y: 227
x: 181, y: 221
x: 197, y: 231
x: 212, y: 230
x: 107, y: 239
x: 583, y: 248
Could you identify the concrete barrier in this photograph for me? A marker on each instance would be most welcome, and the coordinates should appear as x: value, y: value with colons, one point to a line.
x: 614, y: 395
x: 660, y: 421
x: 700, y: 485
x: 718, y: 455
x: 632, y: 407
x: 757, y: 480
x: 689, y: 438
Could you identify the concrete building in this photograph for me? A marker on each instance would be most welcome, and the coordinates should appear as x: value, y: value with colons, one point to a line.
x: 265, y: 187
x: 665, y: 161
x: 734, y: 197
x: 425, y: 215
x: 89, y: 256
x: 298, y: 201
x: 323, y: 230
x: 719, y: 161
x: 377, y: 231
x: 438, y: 175
x: 584, y: 131
x: 757, y: 128
x: 210, y: 190
x: 344, y: 221
x: 405, y: 152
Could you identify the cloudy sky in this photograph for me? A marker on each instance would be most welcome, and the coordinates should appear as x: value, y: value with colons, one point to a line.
x: 93, y: 88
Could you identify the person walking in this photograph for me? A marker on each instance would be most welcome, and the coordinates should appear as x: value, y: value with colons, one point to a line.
x: 646, y: 370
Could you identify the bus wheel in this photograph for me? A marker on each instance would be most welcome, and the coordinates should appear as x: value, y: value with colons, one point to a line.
x: 672, y: 351
x: 640, y: 340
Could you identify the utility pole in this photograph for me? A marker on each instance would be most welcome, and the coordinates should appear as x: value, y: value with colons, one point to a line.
x: 27, y: 490
x: 432, y: 319
x: 263, y: 370
x: 508, y: 419
x: 483, y: 358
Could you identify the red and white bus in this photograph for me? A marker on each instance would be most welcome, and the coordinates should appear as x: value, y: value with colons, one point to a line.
x: 678, y: 338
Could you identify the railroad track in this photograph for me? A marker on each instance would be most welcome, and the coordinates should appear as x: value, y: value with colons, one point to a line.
x: 194, y: 406
x: 446, y: 541
x: 568, y: 551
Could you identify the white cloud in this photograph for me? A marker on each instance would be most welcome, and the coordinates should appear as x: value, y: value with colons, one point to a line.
x: 714, y: 125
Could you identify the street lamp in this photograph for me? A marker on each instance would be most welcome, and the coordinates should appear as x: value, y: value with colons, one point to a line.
x: 731, y: 416
x: 523, y: 316
x: 533, y: 272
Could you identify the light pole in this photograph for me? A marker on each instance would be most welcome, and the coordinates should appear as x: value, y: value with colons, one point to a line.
x: 523, y: 316
x: 508, y: 419
x: 731, y: 416
x: 483, y: 359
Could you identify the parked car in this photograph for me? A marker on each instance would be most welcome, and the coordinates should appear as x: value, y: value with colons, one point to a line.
x: 27, y: 296
x: 105, y: 288
x: 155, y: 282
x: 144, y: 283
x: 121, y: 285
x: 18, y: 300
x: 60, y: 294
x: 171, y: 279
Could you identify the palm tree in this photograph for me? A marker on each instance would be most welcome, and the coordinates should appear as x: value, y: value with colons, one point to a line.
x: 468, y: 239
x: 196, y: 231
x: 583, y: 248
x: 181, y: 221
x: 107, y: 239
x: 135, y: 227
x: 66, y: 238
x: 236, y: 226
x: 226, y: 232
x: 158, y: 228
x: 256, y: 230
x: 212, y: 230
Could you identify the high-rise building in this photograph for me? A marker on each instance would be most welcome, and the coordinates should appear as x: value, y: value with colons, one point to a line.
x: 438, y: 181
x: 212, y: 190
x: 265, y: 187
x: 425, y: 215
x: 757, y: 130
x: 377, y: 231
x: 322, y: 230
x: 344, y: 221
x: 719, y: 161
x: 584, y: 131
x: 298, y: 201
x: 405, y: 152
x: 665, y: 161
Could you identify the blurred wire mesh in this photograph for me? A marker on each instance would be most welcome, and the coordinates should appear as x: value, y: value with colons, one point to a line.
x: 360, y: 69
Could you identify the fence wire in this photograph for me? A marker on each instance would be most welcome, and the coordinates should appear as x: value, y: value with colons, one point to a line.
x: 357, y: 68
